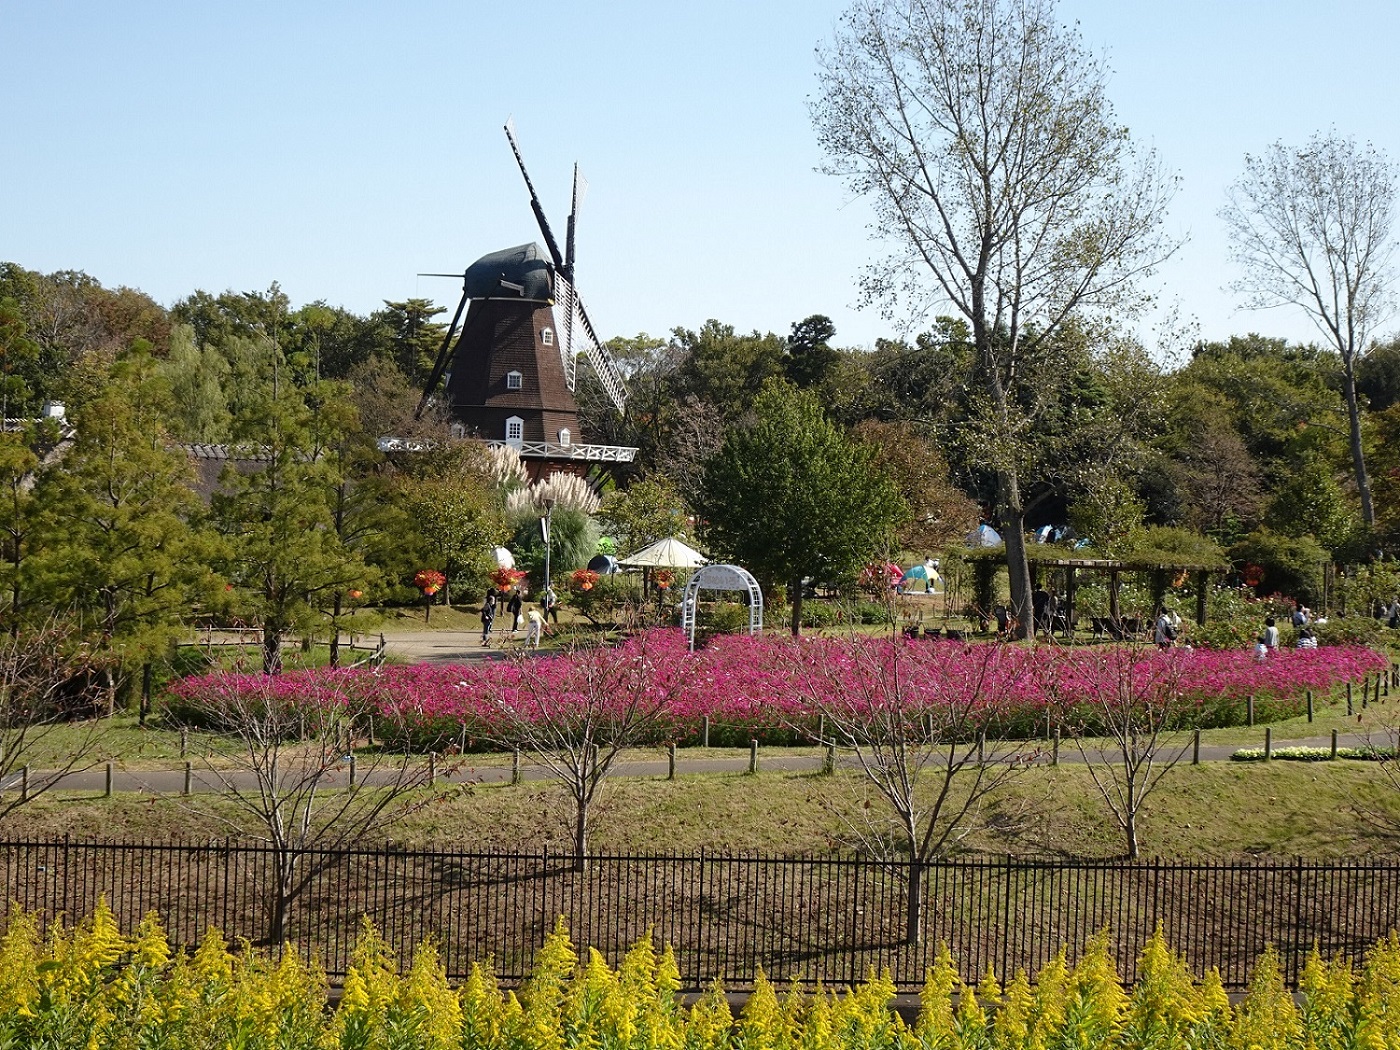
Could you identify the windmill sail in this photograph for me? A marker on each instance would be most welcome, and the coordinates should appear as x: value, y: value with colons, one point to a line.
x: 577, y: 331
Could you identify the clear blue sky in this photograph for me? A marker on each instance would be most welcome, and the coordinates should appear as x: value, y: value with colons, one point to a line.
x: 340, y: 148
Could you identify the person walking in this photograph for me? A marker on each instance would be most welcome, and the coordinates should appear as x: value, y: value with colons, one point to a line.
x: 514, y: 606
x: 535, y: 627
x: 488, y: 616
x: 1165, y: 634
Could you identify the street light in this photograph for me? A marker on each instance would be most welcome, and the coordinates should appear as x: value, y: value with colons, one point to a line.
x: 544, y: 532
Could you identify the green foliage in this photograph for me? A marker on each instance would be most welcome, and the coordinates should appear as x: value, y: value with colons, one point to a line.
x: 1309, y: 503
x: 125, y: 553
x: 1293, y: 566
x: 789, y: 496
x: 648, y: 510
x: 285, y: 553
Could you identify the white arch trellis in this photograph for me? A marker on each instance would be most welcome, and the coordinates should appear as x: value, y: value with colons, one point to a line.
x: 721, y: 578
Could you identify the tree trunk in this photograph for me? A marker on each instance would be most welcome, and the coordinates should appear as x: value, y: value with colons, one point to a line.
x: 1358, y: 455
x: 335, y: 632
x: 272, y: 650
x: 581, y: 837
x: 279, y: 922
x: 795, y: 595
x: 914, y: 905
x: 145, y: 692
x: 1018, y: 568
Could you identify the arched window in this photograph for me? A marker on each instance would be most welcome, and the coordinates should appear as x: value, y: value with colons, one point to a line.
x: 547, y: 336
x: 515, y: 431
x: 564, y: 436
x: 514, y: 380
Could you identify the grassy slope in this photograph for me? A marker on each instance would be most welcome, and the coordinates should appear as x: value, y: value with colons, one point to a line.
x: 1217, y: 810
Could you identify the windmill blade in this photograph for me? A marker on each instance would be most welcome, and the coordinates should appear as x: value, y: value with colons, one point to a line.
x: 609, y: 375
x: 565, y: 302
x: 580, y: 190
x: 443, y: 354
x: 545, y: 231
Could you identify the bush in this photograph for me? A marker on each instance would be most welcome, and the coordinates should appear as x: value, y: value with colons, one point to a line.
x: 873, y: 613
x: 1291, y: 565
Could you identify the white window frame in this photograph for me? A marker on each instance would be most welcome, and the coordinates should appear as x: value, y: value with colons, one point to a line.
x: 565, y: 437
x: 515, y: 431
x: 547, y: 336
x: 515, y: 381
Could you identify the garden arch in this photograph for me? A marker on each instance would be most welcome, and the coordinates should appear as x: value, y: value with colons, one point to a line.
x: 721, y: 578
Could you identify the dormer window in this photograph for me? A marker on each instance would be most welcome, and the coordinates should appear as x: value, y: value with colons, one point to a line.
x: 547, y: 336
x: 514, y: 381
x: 564, y: 436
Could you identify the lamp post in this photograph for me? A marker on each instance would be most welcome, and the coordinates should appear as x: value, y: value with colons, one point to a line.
x: 544, y: 531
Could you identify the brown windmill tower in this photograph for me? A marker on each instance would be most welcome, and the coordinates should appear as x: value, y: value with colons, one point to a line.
x: 510, y: 367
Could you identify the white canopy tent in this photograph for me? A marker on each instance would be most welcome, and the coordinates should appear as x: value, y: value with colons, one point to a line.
x: 669, y: 553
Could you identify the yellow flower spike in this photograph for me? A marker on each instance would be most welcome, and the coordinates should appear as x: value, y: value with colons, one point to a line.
x: 710, y: 1021
x: 1378, y: 992
x: 1267, y: 1019
x: 19, y: 960
x: 426, y: 995
x: 970, y: 1023
x: 817, y: 1032
x: 482, y: 1009
x: 1096, y: 1003
x: 935, y: 1025
x: 1165, y: 1004
x: 1051, y: 998
x: 761, y: 1021
x: 1011, y: 1027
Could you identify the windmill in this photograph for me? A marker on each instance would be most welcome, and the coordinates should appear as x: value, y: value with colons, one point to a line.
x: 511, y: 366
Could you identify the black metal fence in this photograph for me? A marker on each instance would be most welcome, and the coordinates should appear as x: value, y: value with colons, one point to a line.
x: 811, y: 918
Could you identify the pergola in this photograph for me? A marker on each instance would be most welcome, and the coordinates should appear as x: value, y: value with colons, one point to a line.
x: 1115, y: 567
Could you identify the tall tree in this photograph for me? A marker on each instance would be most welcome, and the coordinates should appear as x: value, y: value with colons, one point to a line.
x: 790, y: 496
x: 981, y: 132
x: 286, y: 554
x: 122, y: 550
x: 1311, y: 228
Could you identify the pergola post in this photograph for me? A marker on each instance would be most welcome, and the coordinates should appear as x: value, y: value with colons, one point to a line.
x: 1069, y: 601
x: 1202, y: 576
x: 1113, y: 583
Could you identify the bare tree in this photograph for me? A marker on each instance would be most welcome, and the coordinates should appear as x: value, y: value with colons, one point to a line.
x: 927, y: 729
x: 1311, y: 228
x: 285, y: 765
x: 49, y: 695
x: 1124, y: 708
x: 576, y: 713
x: 981, y: 133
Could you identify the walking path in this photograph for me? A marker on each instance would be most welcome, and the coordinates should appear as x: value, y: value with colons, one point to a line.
x: 464, y: 769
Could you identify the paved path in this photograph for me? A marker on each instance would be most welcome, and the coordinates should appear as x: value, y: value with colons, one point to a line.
x: 464, y: 769
x: 450, y: 647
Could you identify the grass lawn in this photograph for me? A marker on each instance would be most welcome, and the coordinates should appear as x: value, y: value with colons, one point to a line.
x: 1212, y: 811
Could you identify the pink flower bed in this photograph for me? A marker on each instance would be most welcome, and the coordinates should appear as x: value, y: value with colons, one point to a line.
x: 765, y: 686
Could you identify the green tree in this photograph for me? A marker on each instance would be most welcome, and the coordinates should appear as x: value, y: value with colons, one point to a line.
x: 21, y: 533
x: 198, y: 409
x: 788, y: 495
x: 724, y: 368
x: 646, y: 511
x: 122, y: 552
x: 981, y: 132
x: 1309, y: 502
x: 285, y: 553
x: 413, y: 334
x: 810, y: 355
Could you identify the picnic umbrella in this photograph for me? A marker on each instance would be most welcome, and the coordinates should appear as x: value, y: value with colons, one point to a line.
x: 669, y: 553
